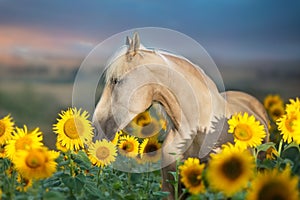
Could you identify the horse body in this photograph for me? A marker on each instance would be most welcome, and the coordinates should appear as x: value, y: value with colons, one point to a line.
x: 138, y: 77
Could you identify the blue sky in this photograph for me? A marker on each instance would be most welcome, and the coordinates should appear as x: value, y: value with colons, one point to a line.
x: 62, y: 32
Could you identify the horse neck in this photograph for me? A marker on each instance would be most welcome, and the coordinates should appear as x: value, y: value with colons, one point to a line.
x: 195, y: 99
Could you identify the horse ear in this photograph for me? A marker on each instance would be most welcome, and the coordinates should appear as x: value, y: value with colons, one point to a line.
x: 136, y: 41
x: 128, y: 41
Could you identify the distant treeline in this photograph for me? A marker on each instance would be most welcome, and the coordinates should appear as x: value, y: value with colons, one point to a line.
x: 39, y: 73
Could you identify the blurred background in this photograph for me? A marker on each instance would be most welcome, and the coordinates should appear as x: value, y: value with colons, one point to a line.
x: 255, y: 44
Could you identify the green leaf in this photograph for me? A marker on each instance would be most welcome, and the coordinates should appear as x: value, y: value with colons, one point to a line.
x: 265, y: 146
x: 82, y: 160
x: 174, y: 174
x: 266, y: 164
x: 51, y: 195
x: 79, y: 182
x: 292, y: 145
x: 292, y: 153
x: 161, y: 194
x: 92, y: 189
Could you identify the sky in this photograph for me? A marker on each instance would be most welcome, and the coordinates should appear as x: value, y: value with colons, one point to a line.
x: 61, y: 33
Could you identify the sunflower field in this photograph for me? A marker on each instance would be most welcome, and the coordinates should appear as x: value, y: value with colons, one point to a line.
x: 82, y: 168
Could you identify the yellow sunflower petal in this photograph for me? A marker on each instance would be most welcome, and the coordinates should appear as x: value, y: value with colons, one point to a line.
x: 191, y: 175
x: 150, y: 150
x: 276, y: 111
x: 273, y: 184
x: 102, y: 153
x: 25, y: 183
x: 246, y: 130
x: 293, y: 106
x: 6, y: 129
x: 144, y: 125
x: 73, y: 129
x: 128, y: 146
x: 272, y: 100
x: 230, y: 170
x: 23, y: 140
x: 287, y: 128
x: 36, y: 163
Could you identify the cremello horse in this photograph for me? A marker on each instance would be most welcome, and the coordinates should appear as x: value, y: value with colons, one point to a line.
x: 138, y: 77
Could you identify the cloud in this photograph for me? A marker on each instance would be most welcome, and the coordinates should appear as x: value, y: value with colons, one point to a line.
x: 62, y: 32
x: 27, y: 46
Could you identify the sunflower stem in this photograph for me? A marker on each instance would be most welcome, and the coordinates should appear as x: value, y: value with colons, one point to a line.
x: 12, y: 186
x: 70, y: 162
x: 280, y: 148
x: 147, y: 177
x: 71, y: 169
x: 98, y: 176
x: 182, y: 194
x: 254, y: 153
x: 176, y: 184
x: 128, y: 180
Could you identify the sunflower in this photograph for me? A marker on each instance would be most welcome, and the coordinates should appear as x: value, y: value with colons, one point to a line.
x: 60, y: 147
x: 128, y: 146
x: 272, y: 100
x: 273, y: 184
x: 73, y: 128
x: 246, y: 130
x: 163, y: 124
x: 102, y: 153
x: 191, y: 175
x: 271, y: 153
x: 2, y: 151
x: 276, y: 111
x: 287, y: 127
x: 118, y: 134
x: 150, y: 150
x: 6, y: 129
x: 145, y: 126
x: 25, y: 183
x: 142, y: 119
x: 230, y: 170
x: 23, y: 140
x: 293, y: 106
x: 37, y: 163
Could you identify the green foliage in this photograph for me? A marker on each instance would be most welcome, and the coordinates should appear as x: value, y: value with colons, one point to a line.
x: 76, y: 178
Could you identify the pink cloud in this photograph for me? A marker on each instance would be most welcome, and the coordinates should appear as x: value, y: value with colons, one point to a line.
x: 30, y: 46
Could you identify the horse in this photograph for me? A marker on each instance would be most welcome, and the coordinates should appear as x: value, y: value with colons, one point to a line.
x: 137, y: 77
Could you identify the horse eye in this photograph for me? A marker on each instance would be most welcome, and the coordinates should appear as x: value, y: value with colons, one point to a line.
x: 114, y: 81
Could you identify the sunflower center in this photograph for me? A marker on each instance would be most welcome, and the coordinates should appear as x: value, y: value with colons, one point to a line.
x: 73, y: 127
x: 149, y: 130
x: 232, y: 168
x: 2, y: 128
x: 194, y: 178
x: 151, y: 149
x: 277, y: 113
x: 102, y: 153
x: 273, y: 190
x: 23, y: 143
x: 128, y: 146
x: 143, y: 119
x: 35, y: 159
x: 243, y: 132
x: 289, y: 123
